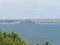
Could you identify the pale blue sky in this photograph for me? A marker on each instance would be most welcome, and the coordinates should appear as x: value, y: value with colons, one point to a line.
x: 31, y: 9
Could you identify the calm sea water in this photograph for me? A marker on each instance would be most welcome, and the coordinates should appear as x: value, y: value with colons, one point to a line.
x: 36, y: 33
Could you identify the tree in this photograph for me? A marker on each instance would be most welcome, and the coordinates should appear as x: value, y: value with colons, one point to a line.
x: 37, y: 44
x: 5, y: 35
x: 47, y: 43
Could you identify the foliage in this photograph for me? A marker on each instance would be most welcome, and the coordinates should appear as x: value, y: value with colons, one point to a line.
x: 10, y: 39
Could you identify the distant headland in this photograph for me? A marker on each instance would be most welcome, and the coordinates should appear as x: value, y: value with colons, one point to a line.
x: 30, y: 21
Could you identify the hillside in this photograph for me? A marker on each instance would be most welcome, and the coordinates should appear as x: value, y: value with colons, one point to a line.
x: 31, y: 21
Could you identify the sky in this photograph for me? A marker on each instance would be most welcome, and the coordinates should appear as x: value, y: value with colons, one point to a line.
x: 29, y: 9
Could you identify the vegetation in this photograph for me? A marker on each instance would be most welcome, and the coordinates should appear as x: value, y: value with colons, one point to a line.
x: 13, y: 39
x: 10, y: 39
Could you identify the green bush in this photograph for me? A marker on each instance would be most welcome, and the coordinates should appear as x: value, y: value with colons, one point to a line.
x: 10, y: 39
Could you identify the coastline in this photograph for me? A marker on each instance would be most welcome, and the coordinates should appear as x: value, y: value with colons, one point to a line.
x: 31, y: 21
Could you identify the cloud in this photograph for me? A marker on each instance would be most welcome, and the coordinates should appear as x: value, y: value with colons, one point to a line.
x: 30, y: 2
x: 1, y: 2
x: 29, y: 8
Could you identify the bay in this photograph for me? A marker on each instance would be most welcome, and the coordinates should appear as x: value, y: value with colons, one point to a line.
x: 35, y: 33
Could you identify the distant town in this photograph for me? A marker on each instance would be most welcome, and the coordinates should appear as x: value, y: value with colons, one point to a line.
x: 30, y: 21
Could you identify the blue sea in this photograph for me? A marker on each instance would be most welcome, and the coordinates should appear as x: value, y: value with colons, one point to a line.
x: 35, y: 33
